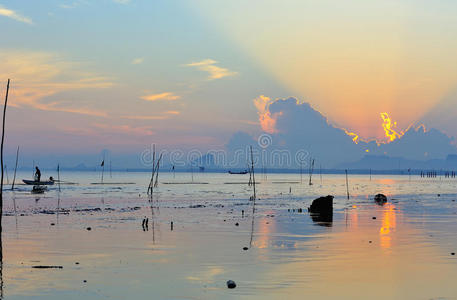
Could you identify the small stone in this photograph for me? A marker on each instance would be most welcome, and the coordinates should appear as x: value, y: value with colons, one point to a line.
x: 245, y: 248
x: 231, y: 284
x: 89, y: 229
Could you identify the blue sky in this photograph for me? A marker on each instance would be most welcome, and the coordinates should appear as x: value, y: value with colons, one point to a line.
x: 93, y: 75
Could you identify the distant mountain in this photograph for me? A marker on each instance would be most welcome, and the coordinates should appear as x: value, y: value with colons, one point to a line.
x: 384, y: 162
x: 81, y: 167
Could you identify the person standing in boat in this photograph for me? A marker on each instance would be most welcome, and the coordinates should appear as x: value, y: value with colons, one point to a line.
x: 37, y: 174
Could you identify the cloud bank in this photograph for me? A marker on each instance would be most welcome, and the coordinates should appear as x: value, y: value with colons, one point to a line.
x: 295, y: 126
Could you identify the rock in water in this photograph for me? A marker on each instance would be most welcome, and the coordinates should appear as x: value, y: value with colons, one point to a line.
x: 380, y: 198
x: 321, y: 211
x: 322, y: 205
x: 231, y: 284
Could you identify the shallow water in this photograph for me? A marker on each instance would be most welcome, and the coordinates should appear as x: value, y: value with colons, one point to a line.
x: 402, y: 253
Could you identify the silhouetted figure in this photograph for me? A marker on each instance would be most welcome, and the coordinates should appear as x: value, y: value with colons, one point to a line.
x: 37, y: 174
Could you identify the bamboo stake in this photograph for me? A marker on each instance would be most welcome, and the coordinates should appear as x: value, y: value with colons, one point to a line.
x: 151, y: 182
x: 58, y: 175
x: 15, y: 168
x: 1, y: 162
x: 311, y: 172
x: 253, y: 176
x: 347, y: 183
x: 156, y: 183
x: 253, y: 200
x: 103, y: 165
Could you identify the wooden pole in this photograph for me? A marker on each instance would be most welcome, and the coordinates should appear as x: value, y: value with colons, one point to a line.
x: 15, y: 168
x: 347, y: 183
x: 311, y: 170
x: 1, y: 161
x: 103, y: 165
x: 58, y: 175
x: 151, y: 182
x: 253, y: 176
x: 156, y: 183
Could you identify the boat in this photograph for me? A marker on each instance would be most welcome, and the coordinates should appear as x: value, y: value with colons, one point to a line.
x: 241, y: 172
x: 33, y: 182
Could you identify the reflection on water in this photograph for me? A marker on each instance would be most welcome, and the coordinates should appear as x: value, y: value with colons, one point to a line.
x: 399, y: 250
x: 389, y: 223
x: 322, y: 219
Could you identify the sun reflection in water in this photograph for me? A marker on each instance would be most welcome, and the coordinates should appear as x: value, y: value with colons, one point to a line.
x: 265, y: 227
x: 389, y: 223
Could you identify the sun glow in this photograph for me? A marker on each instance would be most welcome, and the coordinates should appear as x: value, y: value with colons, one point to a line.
x: 355, y: 137
x: 389, y: 128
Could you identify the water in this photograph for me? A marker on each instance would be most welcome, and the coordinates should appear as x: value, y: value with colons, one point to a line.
x: 401, y: 250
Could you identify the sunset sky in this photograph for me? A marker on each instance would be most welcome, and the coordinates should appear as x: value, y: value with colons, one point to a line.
x: 88, y: 75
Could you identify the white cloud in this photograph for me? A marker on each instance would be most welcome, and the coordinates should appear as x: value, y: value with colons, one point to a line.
x: 209, y: 65
x: 122, y: 1
x: 14, y: 15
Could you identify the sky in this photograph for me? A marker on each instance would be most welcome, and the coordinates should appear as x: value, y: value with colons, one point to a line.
x: 122, y: 74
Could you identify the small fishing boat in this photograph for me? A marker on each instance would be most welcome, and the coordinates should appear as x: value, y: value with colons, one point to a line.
x: 33, y: 182
x: 241, y: 172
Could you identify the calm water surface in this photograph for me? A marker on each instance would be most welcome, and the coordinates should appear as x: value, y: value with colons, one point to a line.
x: 401, y: 250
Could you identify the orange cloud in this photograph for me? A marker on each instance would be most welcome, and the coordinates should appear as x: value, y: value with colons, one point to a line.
x: 142, y: 130
x: 162, y: 96
x: 215, y: 72
x: 37, y: 75
x: 267, y: 121
x: 165, y: 115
